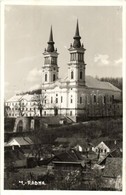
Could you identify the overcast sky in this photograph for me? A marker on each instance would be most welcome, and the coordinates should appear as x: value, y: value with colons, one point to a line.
x: 27, y: 31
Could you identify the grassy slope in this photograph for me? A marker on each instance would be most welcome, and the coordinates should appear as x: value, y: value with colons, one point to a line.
x: 111, y: 128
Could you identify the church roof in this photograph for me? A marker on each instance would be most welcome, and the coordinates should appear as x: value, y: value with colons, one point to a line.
x: 50, y: 47
x: 77, y: 43
x: 94, y: 83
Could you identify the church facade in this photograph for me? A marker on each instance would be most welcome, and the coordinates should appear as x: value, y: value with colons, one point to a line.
x: 74, y: 95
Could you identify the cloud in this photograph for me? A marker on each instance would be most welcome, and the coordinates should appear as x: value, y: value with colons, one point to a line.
x: 34, y: 75
x: 101, y: 59
x: 104, y: 60
x: 27, y: 59
x: 119, y: 61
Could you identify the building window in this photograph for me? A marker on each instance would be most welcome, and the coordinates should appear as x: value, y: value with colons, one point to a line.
x: 70, y: 113
x: 104, y: 99
x: 81, y: 74
x: 20, y: 126
x: 56, y: 100
x: 61, y: 99
x: 94, y: 98
x: 54, y: 77
x: 72, y: 75
x: 71, y: 99
x: 73, y: 56
x: 112, y: 98
x: 44, y: 112
x: 51, y: 100
x: 45, y: 77
x: 80, y: 100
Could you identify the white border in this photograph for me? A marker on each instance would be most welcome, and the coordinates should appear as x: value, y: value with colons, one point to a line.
x: 59, y: 3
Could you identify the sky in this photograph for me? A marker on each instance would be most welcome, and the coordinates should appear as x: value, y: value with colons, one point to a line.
x: 27, y: 29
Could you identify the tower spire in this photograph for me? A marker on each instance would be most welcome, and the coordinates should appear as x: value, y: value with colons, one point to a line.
x: 50, y: 47
x: 77, y: 43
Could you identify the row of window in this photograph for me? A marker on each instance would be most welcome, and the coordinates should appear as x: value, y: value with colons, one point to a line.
x: 20, y: 104
x: 53, y: 60
x: 104, y: 99
x: 101, y: 150
x: 57, y: 100
x: 77, y: 57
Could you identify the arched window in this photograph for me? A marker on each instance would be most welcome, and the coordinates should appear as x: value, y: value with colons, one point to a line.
x: 54, y: 77
x: 104, y: 99
x: 20, y: 126
x: 80, y: 100
x: 71, y: 99
x: 70, y: 113
x: 45, y: 77
x: 72, y: 75
x: 81, y: 75
x: 94, y: 98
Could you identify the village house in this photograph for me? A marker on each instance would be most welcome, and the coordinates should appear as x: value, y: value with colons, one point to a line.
x: 106, y: 146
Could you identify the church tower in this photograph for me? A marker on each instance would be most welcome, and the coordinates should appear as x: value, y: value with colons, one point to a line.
x: 50, y: 67
x: 76, y: 66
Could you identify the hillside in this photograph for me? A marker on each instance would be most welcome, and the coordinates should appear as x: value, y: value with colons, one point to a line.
x: 111, y: 128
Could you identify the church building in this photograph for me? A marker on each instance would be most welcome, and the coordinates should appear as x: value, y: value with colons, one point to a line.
x: 71, y: 95
x: 75, y: 95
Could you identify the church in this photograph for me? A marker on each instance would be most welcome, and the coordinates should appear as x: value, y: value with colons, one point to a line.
x: 71, y: 95
x: 74, y: 96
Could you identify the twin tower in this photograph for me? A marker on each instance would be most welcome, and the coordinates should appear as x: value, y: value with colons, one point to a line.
x: 76, y: 65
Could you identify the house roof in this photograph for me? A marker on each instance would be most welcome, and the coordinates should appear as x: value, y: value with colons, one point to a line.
x: 15, y: 98
x: 81, y: 163
x: 97, y: 141
x: 110, y: 143
x: 21, y: 141
x: 94, y: 83
x: 113, y: 167
x: 27, y: 97
x: 116, y: 153
x: 69, y: 156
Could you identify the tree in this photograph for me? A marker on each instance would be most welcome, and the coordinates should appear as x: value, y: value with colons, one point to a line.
x: 20, y: 108
x: 40, y: 101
